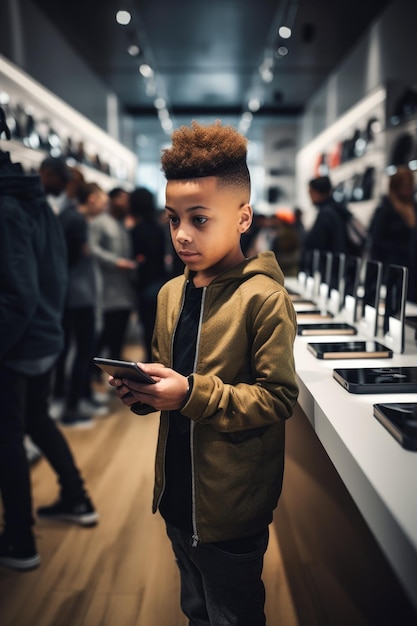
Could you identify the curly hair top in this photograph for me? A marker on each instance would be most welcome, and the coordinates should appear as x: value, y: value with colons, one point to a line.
x: 213, y: 150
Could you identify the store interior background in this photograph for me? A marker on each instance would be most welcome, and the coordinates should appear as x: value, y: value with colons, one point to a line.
x: 371, y: 49
x: 208, y: 60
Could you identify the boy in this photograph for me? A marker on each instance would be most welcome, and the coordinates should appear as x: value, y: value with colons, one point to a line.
x: 225, y: 382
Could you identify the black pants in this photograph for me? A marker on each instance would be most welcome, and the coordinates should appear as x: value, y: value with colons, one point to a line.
x: 79, y: 328
x: 147, y: 313
x: 24, y: 409
x: 220, y: 587
x: 112, y: 337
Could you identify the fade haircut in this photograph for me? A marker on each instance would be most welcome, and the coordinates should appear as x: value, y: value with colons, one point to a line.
x: 214, y: 150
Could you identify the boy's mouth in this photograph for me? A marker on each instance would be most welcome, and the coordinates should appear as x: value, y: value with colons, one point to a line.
x: 187, y: 253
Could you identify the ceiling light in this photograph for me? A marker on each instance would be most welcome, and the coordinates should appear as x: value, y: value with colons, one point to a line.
x: 150, y: 87
x: 146, y: 70
x: 284, y: 32
x: 282, y: 51
x: 163, y: 114
x: 167, y: 125
x: 267, y: 75
x: 254, y: 104
x: 159, y: 103
x: 133, y: 50
x: 123, y: 17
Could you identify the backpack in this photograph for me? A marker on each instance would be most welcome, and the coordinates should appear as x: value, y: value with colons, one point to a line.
x: 356, y: 233
x: 356, y: 236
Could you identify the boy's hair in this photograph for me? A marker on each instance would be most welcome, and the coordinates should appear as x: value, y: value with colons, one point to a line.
x: 214, y: 150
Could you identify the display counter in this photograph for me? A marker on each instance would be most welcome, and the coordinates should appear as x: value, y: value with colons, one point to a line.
x: 377, y: 471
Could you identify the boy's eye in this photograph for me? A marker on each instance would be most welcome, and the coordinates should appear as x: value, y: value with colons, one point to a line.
x: 199, y: 220
x: 172, y: 219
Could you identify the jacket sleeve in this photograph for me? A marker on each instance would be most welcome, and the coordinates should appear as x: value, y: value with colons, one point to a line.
x: 271, y: 396
x: 19, y: 292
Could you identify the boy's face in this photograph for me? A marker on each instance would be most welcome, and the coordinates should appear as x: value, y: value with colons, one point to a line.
x: 206, y: 222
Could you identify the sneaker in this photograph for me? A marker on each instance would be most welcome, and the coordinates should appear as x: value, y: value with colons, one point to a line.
x: 102, y: 397
x: 82, y: 512
x: 33, y: 453
x: 21, y: 556
x: 73, y: 419
x: 56, y: 408
x: 91, y: 407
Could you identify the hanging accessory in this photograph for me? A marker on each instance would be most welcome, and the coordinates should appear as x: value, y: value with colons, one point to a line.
x: 3, y: 125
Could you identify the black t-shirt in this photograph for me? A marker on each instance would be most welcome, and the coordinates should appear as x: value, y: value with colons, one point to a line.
x: 176, y: 502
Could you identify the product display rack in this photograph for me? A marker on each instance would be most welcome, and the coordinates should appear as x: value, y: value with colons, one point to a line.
x: 42, y: 124
x: 352, y: 151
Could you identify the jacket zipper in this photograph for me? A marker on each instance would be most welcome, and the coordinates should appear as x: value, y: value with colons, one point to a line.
x: 195, y: 537
x: 172, y: 351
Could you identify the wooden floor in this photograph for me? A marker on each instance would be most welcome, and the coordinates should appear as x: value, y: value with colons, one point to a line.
x: 323, y: 566
x: 122, y: 572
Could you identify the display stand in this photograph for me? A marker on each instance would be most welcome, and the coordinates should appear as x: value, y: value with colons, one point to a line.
x: 378, y: 473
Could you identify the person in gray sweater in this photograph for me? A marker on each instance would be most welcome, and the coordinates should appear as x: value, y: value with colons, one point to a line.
x: 111, y: 244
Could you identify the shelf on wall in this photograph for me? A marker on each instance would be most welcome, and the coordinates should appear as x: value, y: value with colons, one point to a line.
x: 70, y: 125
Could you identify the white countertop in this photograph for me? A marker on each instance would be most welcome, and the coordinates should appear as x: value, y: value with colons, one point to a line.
x: 378, y: 472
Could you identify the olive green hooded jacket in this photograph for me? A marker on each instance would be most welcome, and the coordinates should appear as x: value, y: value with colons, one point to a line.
x: 243, y: 389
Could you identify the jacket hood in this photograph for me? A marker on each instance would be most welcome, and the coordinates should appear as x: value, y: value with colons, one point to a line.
x: 264, y: 263
x: 15, y: 182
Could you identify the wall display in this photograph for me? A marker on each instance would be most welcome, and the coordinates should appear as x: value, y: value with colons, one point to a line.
x: 405, y: 105
x: 352, y: 152
x: 41, y: 124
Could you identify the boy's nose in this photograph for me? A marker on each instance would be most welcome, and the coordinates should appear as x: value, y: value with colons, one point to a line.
x: 182, y: 236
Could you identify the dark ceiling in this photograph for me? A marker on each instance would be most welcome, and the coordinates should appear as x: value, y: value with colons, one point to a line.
x: 207, y: 55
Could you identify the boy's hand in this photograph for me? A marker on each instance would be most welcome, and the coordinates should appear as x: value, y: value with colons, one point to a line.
x: 167, y: 394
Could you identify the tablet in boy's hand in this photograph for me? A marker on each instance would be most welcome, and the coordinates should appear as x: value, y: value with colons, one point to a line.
x: 123, y: 369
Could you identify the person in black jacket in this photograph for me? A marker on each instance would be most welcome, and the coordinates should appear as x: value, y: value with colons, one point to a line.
x: 328, y: 232
x: 393, y: 228
x: 33, y: 280
x: 149, y: 245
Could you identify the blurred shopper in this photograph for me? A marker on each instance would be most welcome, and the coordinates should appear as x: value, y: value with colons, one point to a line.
x: 328, y: 232
x: 73, y: 386
x: 286, y: 245
x: 149, y: 247
x: 55, y: 176
x: 393, y: 228
x: 72, y: 188
x: 119, y: 203
x: 262, y: 233
x: 33, y: 279
x: 112, y: 246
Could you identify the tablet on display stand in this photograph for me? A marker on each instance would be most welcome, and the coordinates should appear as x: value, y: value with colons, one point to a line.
x: 368, y: 323
x: 394, y: 315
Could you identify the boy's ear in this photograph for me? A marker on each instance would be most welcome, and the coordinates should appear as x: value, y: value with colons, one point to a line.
x: 245, y: 219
